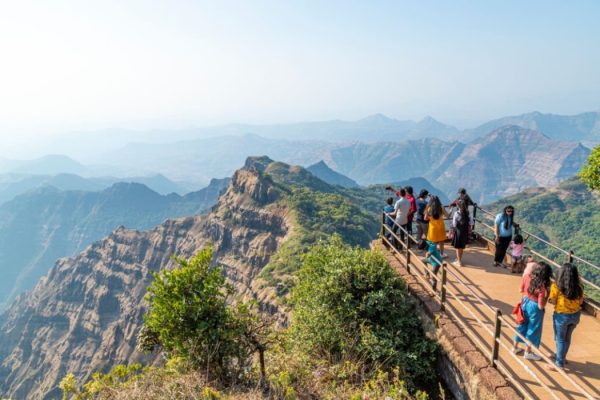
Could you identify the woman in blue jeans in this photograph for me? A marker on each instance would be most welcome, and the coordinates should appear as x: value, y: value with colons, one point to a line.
x: 567, y: 296
x: 533, y: 304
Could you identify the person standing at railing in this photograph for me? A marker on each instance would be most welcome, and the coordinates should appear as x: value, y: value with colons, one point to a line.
x: 422, y: 225
x: 462, y: 196
x: 460, y: 223
x: 435, y: 214
x: 413, y: 208
x: 533, y: 305
x: 388, y: 209
x: 567, y: 296
x: 503, y: 227
x: 401, y: 211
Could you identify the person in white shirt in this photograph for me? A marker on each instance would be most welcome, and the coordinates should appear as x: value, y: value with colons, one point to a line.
x: 401, y: 211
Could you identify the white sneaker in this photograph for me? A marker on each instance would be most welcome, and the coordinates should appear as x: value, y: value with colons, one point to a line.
x: 532, y: 356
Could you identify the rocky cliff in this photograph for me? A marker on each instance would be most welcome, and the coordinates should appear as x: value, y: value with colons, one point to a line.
x: 42, y: 225
x: 85, y: 314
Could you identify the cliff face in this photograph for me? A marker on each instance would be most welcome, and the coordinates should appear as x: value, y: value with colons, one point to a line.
x: 43, y: 225
x: 85, y: 314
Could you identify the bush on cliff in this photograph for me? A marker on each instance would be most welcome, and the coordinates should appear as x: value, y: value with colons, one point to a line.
x: 350, y: 305
x: 190, y: 316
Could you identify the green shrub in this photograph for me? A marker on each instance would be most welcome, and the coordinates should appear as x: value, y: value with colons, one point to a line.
x: 590, y: 173
x: 190, y: 317
x: 350, y: 305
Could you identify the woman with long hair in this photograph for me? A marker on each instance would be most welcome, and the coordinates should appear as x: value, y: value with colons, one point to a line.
x: 532, y: 305
x: 567, y: 296
x: 435, y: 214
x: 460, y: 222
x: 503, y: 226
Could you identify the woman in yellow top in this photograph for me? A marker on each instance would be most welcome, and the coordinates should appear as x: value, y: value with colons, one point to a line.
x: 567, y: 296
x: 435, y: 214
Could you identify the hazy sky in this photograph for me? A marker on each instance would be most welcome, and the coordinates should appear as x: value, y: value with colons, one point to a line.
x: 77, y: 65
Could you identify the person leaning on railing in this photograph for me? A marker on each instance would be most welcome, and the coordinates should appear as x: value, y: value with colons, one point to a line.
x: 567, y: 296
x: 388, y: 209
x: 503, y: 227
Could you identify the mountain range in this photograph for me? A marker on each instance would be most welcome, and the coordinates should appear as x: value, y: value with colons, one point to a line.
x: 84, y: 315
x: 497, y: 164
x: 45, y: 224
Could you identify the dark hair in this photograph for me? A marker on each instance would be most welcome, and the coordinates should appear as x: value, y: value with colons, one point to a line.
x: 435, y: 207
x: 540, y: 278
x: 409, y: 189
x: 463, y: 209
x: 508, y: 219
x: 402, y: 192
x: 390, y: 201
x: 569, y: 283
x: 462, y: 191
x: 423, y: 193
x: 518, y: 238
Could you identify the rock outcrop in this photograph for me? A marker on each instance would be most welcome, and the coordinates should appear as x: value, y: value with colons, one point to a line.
x: 85, y: 314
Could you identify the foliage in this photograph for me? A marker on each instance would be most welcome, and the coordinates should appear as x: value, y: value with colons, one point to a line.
x: 189, y: 316
x: 99, y: 382
x: 351, y: 213
x: 590, y: 172
x: 350, y: 304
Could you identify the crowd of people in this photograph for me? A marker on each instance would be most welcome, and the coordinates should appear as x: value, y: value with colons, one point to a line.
x: 430, y: 215
x: 537, y: 287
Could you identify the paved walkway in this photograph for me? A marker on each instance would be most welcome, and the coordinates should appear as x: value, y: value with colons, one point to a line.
x: 498, y: 288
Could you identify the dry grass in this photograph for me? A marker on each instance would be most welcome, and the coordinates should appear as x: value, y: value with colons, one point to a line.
x: 159, y: 384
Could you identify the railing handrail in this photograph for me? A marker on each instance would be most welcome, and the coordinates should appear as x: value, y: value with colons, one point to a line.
x: 548, y: 260
x: 569, y: 253
x: 444, y: 289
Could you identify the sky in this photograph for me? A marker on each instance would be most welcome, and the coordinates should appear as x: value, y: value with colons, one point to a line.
x: 86, y: 65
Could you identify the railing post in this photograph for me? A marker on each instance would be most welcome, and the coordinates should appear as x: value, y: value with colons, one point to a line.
x: 496, y: 345
x: 407, y: 253
x: 570, y: 256
x: 443, y: 294
x: 474, y: 216
x: 383, y: 227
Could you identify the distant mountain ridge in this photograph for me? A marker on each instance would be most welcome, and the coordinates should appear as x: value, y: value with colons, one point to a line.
x: 45, y: 224
x: 494, y: 165
x: 584, y: 127
x: 14, y: 184
x: 322, y: 171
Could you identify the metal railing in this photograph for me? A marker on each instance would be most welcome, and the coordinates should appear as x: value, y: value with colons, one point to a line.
x: 402, y: 250
x: 571, y: 257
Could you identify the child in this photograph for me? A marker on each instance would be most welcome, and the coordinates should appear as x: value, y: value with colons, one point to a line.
x: 517, y: 246
x: 389, y: 221
x: 433, y: 257
x: 530, y: 266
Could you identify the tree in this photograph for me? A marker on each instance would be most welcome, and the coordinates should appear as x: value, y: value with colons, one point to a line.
x: 590, y: 172
x: 350, y: 304
x: 190, y: 316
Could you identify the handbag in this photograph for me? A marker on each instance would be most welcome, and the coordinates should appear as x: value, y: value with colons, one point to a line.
x: 451, y: 233
x: 518, y: 313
